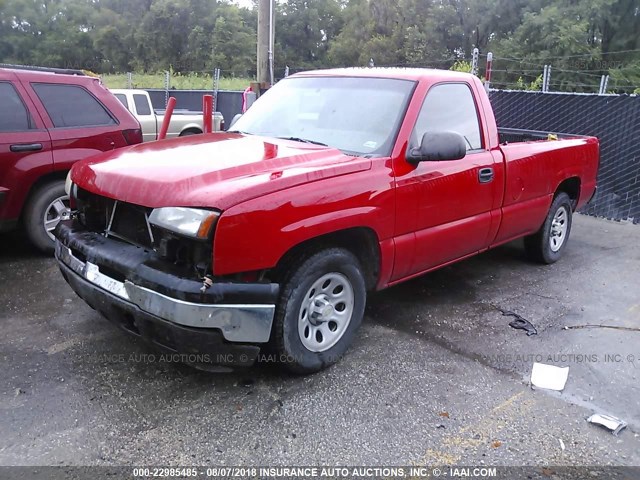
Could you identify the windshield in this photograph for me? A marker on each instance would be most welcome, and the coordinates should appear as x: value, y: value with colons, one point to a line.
x: 359, y: 116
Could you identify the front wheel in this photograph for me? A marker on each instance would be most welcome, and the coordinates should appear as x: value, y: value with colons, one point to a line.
x: 548, y: 243
x: 321, y: 307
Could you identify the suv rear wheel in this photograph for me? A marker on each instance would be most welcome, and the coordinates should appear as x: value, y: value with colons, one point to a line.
x: 47, y: 206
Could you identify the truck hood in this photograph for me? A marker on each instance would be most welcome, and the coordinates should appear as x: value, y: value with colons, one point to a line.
x: 215, y: 170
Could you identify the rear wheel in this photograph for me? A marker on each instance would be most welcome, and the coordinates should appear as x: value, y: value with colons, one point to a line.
x: 320, y: 308
x: 548, y: 243
x: 47, y: 206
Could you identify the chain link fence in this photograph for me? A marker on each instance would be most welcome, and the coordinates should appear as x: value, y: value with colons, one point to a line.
x: 614, y: 119
x: 228, y: 103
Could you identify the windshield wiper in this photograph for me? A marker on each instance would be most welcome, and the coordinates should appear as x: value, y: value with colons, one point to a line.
x: 303, y: 140
x: 239, y: 131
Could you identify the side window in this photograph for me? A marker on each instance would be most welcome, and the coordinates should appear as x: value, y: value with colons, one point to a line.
x: 449, y: 107
x: 15, y: 116
x: 71, y: 106
x: 123, y: 99
x: 142, y: 104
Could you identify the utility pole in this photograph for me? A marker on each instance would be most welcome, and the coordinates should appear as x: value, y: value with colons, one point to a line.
x: 266, y: 31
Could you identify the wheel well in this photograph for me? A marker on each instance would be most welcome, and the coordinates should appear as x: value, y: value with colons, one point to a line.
x: 360, y: 241
x: 570, y: 186
x: 190, y: 130
x: 49, y: 177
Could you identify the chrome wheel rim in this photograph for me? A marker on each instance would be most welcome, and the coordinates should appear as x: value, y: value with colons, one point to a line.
x: 326, y: 312
x: 559, y: 227
x: 57, y: 211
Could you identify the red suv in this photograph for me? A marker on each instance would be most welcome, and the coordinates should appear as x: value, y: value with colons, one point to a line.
x: 49, y: 119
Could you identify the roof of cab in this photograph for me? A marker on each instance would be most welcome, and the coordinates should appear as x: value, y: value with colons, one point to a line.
x: 386, y: 72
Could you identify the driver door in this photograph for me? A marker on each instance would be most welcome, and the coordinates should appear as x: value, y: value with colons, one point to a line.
x: 454, y: 198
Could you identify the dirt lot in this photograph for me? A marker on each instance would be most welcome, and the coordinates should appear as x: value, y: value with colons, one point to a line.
x: 436, y: 376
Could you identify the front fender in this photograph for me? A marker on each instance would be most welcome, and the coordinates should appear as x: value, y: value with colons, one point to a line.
x: 256, y: 234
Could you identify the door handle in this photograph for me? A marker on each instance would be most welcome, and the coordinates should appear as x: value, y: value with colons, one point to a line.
x: 26, y: 147
x: 485, y: 175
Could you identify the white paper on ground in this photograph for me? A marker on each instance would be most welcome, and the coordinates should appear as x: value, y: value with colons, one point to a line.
x: 549, y: 376
x: 612, y: 423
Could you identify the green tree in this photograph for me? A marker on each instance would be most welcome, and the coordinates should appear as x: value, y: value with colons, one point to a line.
x: 234, y: 41
x: 580, y: 39
x: 345, y: 48
x: 304, y: 31
x: 574, y: 38
x: 160, y: 40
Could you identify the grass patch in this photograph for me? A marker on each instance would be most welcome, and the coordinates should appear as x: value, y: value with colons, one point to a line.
x: 190, y: 81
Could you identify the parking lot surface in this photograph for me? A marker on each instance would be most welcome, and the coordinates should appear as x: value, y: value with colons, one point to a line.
x: 436, y: 375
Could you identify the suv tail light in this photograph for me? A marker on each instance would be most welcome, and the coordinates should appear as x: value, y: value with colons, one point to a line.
x: 132, y: 136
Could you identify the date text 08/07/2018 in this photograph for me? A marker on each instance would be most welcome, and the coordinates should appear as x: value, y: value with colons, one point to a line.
x: 321, y: 472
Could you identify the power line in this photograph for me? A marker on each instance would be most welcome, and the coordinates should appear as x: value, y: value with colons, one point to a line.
x: 555, y: 68
x: 578, y: 55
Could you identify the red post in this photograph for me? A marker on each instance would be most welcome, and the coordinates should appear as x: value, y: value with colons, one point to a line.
x: 487, y: 81
x: 207, y: 113
x: 167, y: 118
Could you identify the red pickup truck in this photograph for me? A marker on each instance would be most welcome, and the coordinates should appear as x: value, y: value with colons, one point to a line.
x: 334, y: 183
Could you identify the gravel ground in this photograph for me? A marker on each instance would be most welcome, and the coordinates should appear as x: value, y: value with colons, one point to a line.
x: 436, y: 375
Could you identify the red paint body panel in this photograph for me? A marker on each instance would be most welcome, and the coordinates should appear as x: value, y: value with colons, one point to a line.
x: 276, y: 194
x: 534, y: 170
x: 62, y: 147
x: 255, y: 234
x: 215, y: 170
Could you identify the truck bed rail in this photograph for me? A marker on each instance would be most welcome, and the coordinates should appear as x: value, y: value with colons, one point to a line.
x: 514, y: 135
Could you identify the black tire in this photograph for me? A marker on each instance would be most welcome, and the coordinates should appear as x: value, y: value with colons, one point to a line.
x: 539, y: 245
x: 34, y: 213
x: 339, y: 264
x: 190, y: 132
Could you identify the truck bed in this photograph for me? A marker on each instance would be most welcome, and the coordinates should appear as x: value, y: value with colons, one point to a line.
x: 515, y: 135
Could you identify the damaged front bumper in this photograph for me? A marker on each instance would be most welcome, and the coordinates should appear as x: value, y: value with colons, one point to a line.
x: 134, y: 288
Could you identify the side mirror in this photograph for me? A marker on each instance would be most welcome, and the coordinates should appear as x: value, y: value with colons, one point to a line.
x: 235, y: 118
x: 438, y: 146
